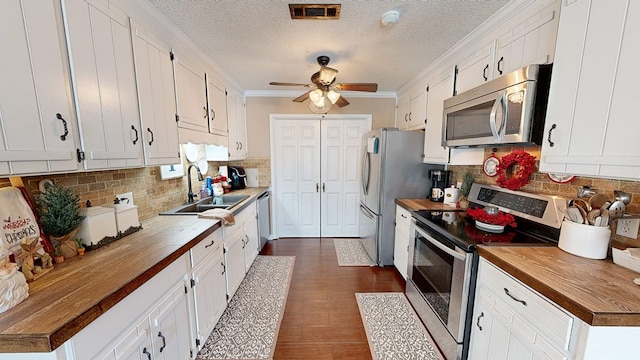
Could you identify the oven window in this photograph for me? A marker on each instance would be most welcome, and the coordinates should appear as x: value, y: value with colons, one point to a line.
x: 432, y: 273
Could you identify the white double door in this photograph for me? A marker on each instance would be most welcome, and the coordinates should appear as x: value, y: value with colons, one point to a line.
x: 315, y: 169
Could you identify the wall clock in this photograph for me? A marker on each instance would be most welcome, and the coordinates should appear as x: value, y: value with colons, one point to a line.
x: 320, y: 109
x: 490, y: 166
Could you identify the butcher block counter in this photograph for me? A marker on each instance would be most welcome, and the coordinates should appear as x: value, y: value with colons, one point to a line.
x: 423, y: 204
x: 79, y: 290
x: 598, y: 292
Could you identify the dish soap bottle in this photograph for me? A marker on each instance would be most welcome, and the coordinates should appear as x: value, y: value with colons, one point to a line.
x: 204, y: 192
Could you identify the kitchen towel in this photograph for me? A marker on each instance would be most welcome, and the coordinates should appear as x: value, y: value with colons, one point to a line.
x: 223, y: 215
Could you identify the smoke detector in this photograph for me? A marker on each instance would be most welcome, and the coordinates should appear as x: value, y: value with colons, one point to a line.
x: 315, y: 11
x: 390, y: 18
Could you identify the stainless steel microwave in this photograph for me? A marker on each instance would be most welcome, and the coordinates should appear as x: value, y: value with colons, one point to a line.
x: 508, y: 110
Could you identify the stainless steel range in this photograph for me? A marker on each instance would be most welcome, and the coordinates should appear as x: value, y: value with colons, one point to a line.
x: 443, y: 260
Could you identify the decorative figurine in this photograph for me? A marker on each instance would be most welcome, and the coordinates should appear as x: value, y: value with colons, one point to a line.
x: 13, y: 284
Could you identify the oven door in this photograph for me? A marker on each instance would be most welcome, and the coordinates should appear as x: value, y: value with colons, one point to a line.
x: 440, y: 276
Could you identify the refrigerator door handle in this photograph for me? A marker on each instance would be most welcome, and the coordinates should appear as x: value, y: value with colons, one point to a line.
x: 366, y: 172
x: 366, y: 212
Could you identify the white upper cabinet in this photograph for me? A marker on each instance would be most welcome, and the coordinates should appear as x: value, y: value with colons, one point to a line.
x: 412, y: 110
x: 217, y: 101
x: 434, y: 152
x: 529, y: 37
x: 154, y: 75
x: 37, y: 121
x: 104, y: 81
x: 237, y: 126
x: 191, y: 93
x: 591, y: 126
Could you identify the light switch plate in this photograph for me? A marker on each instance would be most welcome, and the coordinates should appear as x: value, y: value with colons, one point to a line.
x: 628, y: 227
x: 123, y: 198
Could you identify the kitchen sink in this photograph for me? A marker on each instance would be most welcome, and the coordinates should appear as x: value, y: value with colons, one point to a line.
x: 228, y: 201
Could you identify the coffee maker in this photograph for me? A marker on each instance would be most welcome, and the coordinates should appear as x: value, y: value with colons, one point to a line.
x: 440, y: 180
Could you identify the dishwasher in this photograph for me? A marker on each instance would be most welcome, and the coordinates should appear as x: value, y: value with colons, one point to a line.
x: 264, y: 217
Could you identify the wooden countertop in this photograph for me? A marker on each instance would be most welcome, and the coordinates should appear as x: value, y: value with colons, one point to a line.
x: 598, y: 292
x: 423, y: 204
x: 79, y: 290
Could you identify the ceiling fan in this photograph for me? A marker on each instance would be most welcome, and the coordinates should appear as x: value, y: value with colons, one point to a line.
x: 325, y: 92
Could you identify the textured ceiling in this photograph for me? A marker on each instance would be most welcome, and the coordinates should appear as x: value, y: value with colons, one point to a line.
x: 257, y: 42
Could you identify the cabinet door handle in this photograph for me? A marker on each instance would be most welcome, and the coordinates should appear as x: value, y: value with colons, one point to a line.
x: 409, y: 116
x: 213, y: 114
x: 317, y: 187
x: 206, y: 112
x: 323, y: 190
x: 402, y: 215
x: 223, y: 269
x: 243, y: 243
x: 484, y: 73
x: 500, y: 62
x: 478, y: 322
x: 63, y: 137
x: 210, y: 244
x: 136, y: 131
x: 506, y: 291
x: 150, y: 132
x: 146, y: 352
x: 240, y: 145
x: 405, y: 117
x: 164, y: 341
x: 237, y: 145
x: 551, y: 143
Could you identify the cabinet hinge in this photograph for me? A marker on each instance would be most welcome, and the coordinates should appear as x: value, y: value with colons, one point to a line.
x: 190, y: 354
x: 177, y: 118
x: 185, y: 288
x: 80, y: 155
x: 225, y: 92
x: 197, y: 342
x: 171, y: 56
x: 227, y: 297
x: 178, y: 155
x: 193, y: 283
x: 427, y: 89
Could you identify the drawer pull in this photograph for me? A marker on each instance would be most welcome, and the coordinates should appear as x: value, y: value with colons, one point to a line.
x: 506, y: 291
x: 403, y: 216
x: 210, y: 244
x: 478, y: 323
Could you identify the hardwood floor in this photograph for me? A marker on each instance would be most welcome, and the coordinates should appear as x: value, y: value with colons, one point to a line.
x: 321, y: 318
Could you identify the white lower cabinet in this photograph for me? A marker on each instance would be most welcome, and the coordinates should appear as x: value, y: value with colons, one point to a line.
x: 251, y: 240
x: 209, y: 285
x: 402, y: 240
x: 153, y: 321
x: 234, y: 260
x: 512, y: 321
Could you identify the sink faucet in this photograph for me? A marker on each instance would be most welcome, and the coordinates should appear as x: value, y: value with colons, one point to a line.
x: 190, y: 193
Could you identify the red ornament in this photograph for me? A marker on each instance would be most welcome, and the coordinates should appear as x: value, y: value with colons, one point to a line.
x: 515, y: 168
x: 500, y: 218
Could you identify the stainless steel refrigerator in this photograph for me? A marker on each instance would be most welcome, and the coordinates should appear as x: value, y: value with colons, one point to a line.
x: 391, y: 168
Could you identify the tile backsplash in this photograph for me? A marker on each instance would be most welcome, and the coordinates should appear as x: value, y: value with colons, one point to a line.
x: 151, y: 194
x: 541, y: 183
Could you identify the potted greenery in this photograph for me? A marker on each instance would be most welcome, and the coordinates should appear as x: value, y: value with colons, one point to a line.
x: 80, y: 247
x: 465, y: 188
x: 58, y: 256
x: 58, y: 208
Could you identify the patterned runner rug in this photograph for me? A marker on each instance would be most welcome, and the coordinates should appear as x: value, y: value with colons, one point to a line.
x: 248, y: 328
x: 351, y: 252
x: 393, y: 329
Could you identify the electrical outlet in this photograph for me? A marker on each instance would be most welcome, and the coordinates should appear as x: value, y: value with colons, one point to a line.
x: 628, y: 227
x: 123, y: 198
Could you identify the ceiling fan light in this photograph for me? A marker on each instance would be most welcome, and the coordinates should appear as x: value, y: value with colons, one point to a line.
x: 317, y: 97
x: 327, y: 75
x: 333, y: 96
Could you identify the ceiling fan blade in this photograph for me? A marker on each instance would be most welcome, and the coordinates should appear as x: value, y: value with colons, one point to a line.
x: 302, y: 97
x: 370, y: 87
x: 288, y: 84
x: 342, y: 101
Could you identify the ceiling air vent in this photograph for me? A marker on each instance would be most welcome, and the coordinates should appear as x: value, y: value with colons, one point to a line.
x: 315, y: 11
